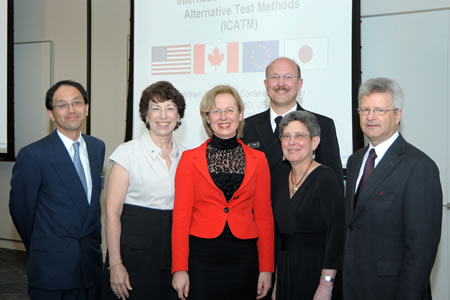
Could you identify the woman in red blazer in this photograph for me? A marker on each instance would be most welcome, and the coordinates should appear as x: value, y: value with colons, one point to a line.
x: 223, y: 231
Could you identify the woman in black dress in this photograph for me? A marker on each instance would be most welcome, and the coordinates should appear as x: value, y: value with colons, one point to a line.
x: 308, y: 205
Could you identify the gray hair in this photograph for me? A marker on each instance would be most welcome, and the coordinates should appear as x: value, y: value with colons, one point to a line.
x: 382, y: 85
x: 304, y: 117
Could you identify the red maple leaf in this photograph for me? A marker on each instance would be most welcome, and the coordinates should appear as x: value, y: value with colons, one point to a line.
x: 215, y: 58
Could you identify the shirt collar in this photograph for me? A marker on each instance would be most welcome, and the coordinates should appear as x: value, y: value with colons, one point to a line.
x: 383, y: 147
x: 273, y: 115
x: 68, y: 142
x: 154, y: 150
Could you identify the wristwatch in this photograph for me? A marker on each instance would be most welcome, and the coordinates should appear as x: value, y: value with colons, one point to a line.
x: 327, y: 278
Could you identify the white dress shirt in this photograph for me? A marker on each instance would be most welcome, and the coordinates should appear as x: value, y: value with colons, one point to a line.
x: 150, y: 182
x: 273, y: 116
x: 380, y: 150
x: 84, y: 157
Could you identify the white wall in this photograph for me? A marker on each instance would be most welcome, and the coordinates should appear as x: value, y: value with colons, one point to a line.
x: 383, y: 7
x: 409, y: 41
x: 110, y: 34
x: 64, y: 23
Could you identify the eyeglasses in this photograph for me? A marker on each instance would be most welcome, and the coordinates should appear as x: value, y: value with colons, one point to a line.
x: 228, y: 111
x: 378, y: 111
x: 65, y: 105
x: 286, y: 77
x: 296, y: 136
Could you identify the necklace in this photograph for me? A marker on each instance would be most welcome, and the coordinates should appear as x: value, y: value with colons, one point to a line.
x: 295, y: 186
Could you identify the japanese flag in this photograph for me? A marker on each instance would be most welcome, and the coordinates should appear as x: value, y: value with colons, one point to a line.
x: 309, y: 53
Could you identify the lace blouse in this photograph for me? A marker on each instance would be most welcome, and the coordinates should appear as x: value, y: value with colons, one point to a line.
x: 226, y: 164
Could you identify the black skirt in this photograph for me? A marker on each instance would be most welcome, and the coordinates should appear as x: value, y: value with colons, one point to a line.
x: 145, y: 247
x: 222, y: 269
x: 300, y: 264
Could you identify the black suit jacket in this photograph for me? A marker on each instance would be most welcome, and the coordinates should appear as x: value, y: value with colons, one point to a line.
x: 48, y: 205
x: 258, y: 134
x: 393, y: 233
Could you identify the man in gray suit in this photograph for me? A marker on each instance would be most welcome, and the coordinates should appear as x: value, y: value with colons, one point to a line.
x: 393, y: 207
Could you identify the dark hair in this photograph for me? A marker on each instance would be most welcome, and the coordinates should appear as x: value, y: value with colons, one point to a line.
x: 161, y: 91
x: 51, y: 92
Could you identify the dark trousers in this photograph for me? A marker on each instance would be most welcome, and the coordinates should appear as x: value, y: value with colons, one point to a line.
x: 91, y: 293
x: 222, y: 269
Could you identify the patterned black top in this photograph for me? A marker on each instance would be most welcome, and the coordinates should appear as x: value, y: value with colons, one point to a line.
x: 226, y: 164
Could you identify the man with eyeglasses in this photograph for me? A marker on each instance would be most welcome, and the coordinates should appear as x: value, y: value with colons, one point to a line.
x: 393, y: 206
x: 55, y: 202
x: 283, y: 83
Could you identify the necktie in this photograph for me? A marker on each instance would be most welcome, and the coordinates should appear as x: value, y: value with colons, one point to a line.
x: 368, y: 168
x: 276, y: 133
x: 79, y: 166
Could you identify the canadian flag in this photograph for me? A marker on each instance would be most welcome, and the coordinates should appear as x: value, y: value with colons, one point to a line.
x: 216, y: 58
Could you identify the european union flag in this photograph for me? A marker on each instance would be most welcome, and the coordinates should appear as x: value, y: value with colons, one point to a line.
x: 257, y: 55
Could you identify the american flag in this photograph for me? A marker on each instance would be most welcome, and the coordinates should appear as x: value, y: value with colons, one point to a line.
x: 171, y: 60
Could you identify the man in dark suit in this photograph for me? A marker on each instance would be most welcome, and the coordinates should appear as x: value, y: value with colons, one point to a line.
x: 393, y: 207
x: 283, y: 82
x: 55, y: 202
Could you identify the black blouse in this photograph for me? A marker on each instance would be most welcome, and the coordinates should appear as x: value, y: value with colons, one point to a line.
x: 226, y: 164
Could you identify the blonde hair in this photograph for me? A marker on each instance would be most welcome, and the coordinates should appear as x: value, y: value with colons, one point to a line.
x: 209, y: 101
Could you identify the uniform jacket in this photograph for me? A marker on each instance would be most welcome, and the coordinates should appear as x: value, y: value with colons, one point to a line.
x: 258, y: 134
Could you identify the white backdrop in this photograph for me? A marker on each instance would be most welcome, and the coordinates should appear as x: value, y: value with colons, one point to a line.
x: 197, y: 44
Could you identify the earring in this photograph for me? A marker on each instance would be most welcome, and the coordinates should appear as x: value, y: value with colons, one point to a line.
x: 314, y: 154
x: 284, y: 158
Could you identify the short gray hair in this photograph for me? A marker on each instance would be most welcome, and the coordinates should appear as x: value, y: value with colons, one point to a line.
x: 304, y: 117
x: 382, y: 85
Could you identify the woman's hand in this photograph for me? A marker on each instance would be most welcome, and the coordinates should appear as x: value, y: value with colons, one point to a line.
x: 120, y: 282
x: 180, y: 283
x: 325, y: 288
x: 324, y: 291
x: 115, y: 196
x: 264, y: 284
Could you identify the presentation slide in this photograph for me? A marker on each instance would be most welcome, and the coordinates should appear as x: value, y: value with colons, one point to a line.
x: 198, y: 44
x: 3, y: 74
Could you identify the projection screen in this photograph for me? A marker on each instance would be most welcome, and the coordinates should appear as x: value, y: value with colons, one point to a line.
x: 197, y: 44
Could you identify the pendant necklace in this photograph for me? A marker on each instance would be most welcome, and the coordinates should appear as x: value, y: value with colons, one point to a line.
x: 295, y: 186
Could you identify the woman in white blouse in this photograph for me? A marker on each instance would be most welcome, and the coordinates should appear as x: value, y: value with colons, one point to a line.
x: 139, y: 201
